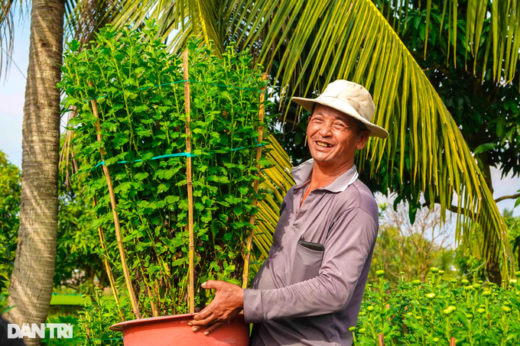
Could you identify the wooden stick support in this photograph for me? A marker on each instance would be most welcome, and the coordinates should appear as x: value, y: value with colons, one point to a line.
x: 381, y: 339
x: 128, y: 281
x: 247, y: 258
x: 191, y: 255
x: 453, y: 341
x: 109, y: 269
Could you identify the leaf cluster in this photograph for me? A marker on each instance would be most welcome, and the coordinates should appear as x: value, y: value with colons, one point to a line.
x: 77, y: 259
x: 138, y: 89
x: 95, y: 318
x: 486, y: 111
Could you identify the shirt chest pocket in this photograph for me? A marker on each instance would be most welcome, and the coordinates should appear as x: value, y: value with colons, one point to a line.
x: 306, y: 263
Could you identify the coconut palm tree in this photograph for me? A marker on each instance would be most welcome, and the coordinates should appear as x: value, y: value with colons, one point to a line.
x: 30, y: 286
x: 306, y: 44
x: 31, y: 281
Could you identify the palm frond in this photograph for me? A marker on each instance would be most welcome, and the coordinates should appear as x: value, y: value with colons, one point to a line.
x: 314, y: 42
x: 8, y: 10
x: 177, y: 19
x: 83, y: 18
x: 277, y: 181
x: 505, y: 29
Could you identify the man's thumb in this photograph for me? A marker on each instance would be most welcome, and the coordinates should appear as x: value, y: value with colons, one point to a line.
x: 210, y: 284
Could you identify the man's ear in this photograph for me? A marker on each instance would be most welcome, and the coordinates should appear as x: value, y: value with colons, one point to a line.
x: 362, y: 139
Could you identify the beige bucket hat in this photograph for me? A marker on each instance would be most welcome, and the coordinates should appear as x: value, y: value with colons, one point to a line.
x: 349, y: 98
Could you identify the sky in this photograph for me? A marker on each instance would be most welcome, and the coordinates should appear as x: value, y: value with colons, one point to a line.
x: 12, y: 90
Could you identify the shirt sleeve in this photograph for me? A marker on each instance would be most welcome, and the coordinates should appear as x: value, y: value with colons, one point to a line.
x: 348, y: 246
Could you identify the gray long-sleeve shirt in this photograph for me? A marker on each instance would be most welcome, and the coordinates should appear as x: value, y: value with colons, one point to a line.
x: 302, y: 296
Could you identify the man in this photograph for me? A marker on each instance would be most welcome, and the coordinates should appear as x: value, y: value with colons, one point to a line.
x: 309, y: 289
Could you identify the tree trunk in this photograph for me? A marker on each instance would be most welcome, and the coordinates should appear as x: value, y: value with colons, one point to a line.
x: 30, y: 289
x: 493, y: 271
x: 493, y: 265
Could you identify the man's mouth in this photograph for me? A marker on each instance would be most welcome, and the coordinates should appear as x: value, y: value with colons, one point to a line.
x: 323, y: 144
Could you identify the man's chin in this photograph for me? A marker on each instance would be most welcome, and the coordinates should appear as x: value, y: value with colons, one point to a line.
x: 324, y: 158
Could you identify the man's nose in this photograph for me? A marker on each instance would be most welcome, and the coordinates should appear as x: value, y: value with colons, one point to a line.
x: 325, y: 130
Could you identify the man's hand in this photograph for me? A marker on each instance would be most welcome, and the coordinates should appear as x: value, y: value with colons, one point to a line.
x: 228, y: 302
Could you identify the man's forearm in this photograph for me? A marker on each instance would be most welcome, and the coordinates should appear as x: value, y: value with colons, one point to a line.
x: 321, y: 295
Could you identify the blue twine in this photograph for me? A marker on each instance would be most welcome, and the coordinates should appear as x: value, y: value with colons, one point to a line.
x: 102, y: 163
x: 175, y: 82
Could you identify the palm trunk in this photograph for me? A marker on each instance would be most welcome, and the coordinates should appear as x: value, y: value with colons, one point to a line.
x: 493, y: 265
x: 31, y: 281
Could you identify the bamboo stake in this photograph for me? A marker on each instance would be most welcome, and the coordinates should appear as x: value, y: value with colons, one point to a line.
x: 109, y: 270
x: 191, y: 255
x: 261, y: 111
x: 119, y: 236
x: 453, y: 341
x: 381, y: 339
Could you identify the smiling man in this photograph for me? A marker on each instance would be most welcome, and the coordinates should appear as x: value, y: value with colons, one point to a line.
x: 309, y: 289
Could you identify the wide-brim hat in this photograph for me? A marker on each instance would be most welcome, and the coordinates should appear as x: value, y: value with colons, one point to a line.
x: 350, y: 98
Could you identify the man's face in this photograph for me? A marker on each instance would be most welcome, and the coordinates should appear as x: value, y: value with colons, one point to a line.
x: 333, y: 136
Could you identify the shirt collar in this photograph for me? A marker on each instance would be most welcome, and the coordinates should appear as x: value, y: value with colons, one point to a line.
x: 302, y: 175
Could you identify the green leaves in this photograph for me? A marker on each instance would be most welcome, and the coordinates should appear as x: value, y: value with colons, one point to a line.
x: 172, y: 199
x: 141, y: 176
x: 10, y: 190
x: 483, y: 148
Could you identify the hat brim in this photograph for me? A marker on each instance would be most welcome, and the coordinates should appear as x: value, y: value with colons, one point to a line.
x: 344, y: 107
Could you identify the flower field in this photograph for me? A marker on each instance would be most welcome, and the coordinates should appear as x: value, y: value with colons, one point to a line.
x: 439, y: 312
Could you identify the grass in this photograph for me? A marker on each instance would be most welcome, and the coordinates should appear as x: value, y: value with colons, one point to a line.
x: 69, y: 299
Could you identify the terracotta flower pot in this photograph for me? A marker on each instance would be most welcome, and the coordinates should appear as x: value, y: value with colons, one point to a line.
x: 174, y: 331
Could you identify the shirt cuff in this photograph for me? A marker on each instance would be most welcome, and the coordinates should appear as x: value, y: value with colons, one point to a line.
x: 253, y: 310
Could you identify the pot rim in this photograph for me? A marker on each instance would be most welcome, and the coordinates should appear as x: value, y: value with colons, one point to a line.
x: 119, y: 327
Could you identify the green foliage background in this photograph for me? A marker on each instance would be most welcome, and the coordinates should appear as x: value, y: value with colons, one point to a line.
x: 10, y: 190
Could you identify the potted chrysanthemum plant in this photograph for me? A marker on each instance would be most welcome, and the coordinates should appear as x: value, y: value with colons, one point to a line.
x: 169, y: 153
